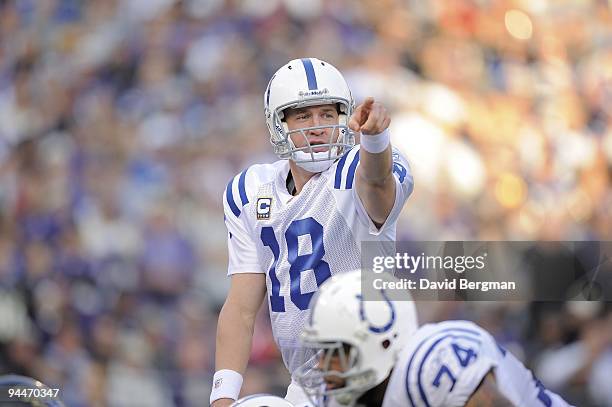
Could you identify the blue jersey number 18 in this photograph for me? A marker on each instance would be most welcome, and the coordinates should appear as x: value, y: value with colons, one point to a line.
x: 298, y: 262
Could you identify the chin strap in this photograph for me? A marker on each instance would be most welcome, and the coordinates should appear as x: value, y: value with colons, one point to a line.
x: 304, y: 160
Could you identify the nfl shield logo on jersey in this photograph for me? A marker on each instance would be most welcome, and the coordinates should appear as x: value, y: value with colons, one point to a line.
x: 264, y: 206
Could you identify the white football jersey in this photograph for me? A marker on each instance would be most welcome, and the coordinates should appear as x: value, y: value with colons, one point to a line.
x: 444, y: 363
x: 300, y: 241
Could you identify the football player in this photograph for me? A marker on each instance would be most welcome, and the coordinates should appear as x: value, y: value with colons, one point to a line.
x: 296, y: 222
x: 373, y: 353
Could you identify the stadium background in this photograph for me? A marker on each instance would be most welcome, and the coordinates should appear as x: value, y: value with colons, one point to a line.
x: 121, y: 122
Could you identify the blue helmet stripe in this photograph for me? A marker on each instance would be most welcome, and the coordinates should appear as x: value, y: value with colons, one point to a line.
x: 242, y: 189
x: 229, y: 195
x: 310, y: 74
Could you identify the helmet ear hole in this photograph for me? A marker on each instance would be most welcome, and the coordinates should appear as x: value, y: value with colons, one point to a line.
x: 386, y: 343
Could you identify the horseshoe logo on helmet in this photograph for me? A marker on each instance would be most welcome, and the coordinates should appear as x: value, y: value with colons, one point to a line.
x: 377, y: 329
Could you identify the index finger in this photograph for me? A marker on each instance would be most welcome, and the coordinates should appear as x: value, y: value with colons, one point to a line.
x: 368, y: 102
x: 361, y: 113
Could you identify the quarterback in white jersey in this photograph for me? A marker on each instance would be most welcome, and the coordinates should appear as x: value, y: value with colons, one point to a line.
x: 303, y: 239
x: 373, y: 353
x: 296, y: 222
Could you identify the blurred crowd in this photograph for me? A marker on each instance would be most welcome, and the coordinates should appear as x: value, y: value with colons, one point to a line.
x: 122, y: 121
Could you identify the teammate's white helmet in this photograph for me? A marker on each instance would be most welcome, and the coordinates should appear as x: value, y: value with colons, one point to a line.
x: 366, y: 335
x: 301, y: 83
x: 262, y: 400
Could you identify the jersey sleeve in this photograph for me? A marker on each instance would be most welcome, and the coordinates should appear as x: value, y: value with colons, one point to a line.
x: 404, y: 184
x: 242, y: 250
x: 448, y: 368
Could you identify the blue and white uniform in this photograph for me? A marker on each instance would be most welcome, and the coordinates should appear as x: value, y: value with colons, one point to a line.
x: 300, y: 241
x: 444, y: 363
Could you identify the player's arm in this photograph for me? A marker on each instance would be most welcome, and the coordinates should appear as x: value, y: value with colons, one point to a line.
x: 237, y: 317
x: 487, y: 395
x: 236, y: 322
x: 374, y: 177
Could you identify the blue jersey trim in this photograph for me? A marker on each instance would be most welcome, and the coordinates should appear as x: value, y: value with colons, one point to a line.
x: 229, y: 195
x: 351, y: 171
x: 407, y: 380
x: 339, y: 168
x: 242, y: 189
x: 419, y: 373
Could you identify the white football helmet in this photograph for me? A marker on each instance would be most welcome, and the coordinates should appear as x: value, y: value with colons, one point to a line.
x: 366, y: 335
x: 302, y: 83
x: 262, y: 400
